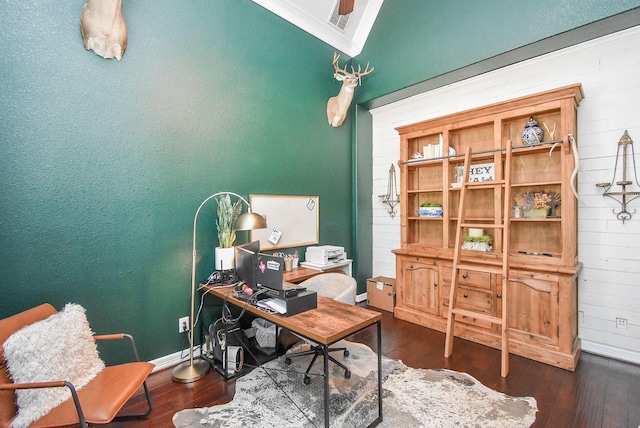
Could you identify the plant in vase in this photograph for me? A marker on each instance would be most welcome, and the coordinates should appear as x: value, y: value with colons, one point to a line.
x: 227, y: 215
x: 430, y: 209
x: 477, y: 243
x: 538, y: 204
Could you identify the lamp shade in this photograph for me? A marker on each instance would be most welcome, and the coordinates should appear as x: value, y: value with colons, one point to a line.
x: 250, y: 221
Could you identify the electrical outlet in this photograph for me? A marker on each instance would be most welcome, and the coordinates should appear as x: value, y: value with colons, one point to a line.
x: 183, y: 324
x: 621, y: 323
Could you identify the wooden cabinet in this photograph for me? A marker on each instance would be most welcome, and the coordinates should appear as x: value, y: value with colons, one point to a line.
x: 542, y: 251
x: 421, y: 285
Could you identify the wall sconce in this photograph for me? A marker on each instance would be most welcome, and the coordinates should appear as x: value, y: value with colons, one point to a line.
x: 623, y: 214
x: 392, y: 197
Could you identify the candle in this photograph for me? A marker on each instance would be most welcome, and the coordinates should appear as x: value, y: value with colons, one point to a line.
x: 475, y: 233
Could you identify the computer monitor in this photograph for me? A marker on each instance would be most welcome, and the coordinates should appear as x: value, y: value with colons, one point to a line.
x: 245, y: 259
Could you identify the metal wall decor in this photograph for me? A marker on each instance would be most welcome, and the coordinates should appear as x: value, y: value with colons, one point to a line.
x: 392, y: 197
x: 622, y: 195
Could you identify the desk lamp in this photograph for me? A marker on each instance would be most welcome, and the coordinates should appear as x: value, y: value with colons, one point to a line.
x: 191, y: 371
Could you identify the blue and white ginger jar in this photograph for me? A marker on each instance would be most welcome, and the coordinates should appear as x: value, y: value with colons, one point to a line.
x: 531, y: 131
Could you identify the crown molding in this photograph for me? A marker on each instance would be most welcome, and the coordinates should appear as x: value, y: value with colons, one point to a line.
x: 313, y: 16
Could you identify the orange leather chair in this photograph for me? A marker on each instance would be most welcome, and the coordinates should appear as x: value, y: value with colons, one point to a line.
x: 98, y: 402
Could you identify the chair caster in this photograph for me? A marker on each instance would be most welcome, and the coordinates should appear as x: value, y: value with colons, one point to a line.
x: 307, y: 380
x: 347, y: 374
x: 287, y: 361
x: 346, y: 352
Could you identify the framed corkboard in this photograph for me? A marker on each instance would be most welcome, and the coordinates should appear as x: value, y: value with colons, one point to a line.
x: 292, y: 221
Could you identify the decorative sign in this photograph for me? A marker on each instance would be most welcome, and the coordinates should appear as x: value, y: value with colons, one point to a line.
x: 482, y: 172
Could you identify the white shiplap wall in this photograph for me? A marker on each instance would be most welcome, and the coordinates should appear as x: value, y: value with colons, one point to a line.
x: 609, y: 70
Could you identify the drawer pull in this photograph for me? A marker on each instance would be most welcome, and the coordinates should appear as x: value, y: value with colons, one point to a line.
x: 465, y: 295
x: 435, y: 284
x: 465, y: 276
x: 499, y: 296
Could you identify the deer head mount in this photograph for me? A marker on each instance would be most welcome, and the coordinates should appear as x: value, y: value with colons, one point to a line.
x: 103, y: 28
x: 338, y: 106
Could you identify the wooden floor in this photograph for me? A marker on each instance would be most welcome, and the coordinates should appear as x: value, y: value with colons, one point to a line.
x: 601, y: 392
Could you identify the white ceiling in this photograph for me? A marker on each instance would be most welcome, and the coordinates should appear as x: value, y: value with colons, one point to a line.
x: 313, y: 16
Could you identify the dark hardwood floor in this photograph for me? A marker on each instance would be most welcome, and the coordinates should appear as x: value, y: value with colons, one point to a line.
x: 602, y: 392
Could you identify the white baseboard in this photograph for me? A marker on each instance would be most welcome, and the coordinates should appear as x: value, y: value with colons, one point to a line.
x: 611, y: 352
x: 361, y: 297
x: 173, y: 359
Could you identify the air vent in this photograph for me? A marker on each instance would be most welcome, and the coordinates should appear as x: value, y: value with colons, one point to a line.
x: 339, y: 21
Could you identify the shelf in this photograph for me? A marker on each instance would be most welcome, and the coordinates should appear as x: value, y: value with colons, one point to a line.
x: 558, y: 219
x: 414, y: 192
x: 517, y: 150
x: 537, y: 184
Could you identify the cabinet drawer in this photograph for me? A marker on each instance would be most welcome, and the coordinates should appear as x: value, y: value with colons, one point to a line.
x: 468, y: 277
x: 476, y: 279
x: 470, y: 299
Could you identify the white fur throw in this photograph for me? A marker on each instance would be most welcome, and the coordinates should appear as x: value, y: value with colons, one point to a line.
x: 60, y: 347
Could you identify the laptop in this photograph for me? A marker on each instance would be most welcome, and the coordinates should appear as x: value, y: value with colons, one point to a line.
x: 269, y: 274
x: 245, y: 255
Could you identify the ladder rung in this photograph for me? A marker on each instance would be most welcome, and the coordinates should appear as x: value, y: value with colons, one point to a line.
x: 484, y: 226
x: 480, y: 268
x: 470, y: 260
x: 477, y: 315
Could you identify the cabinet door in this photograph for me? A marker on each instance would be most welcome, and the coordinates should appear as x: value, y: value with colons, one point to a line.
x: 533, y: 307
x: 419, y: 286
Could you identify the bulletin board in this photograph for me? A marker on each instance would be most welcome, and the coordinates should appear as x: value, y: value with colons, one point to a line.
x: 292, y: 221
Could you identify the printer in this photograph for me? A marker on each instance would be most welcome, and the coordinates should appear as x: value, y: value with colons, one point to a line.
x: 325, y: 254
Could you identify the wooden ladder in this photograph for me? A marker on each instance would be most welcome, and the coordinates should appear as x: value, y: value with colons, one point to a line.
x: 476, y: 264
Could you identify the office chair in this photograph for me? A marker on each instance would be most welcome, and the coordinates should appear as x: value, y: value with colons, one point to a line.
x: 336, y: 286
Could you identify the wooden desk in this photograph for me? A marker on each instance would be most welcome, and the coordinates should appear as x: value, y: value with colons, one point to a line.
x: 301, y: 273
x: 330, y: 322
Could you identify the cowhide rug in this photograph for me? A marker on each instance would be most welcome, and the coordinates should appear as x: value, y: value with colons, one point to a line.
x: 275, y: 396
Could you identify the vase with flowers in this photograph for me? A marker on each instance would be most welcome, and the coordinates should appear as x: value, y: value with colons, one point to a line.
x: 538, y: 204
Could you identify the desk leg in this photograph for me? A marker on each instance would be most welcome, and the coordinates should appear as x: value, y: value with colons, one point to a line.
x: 325, y: 351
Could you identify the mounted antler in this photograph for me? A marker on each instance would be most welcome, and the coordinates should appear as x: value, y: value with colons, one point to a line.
x: 338, y: 106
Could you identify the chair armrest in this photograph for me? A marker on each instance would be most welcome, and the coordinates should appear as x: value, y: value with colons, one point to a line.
x: 108, y: 336
x: 115, y: 336
x: 14, y: 386
x: 51, y: 384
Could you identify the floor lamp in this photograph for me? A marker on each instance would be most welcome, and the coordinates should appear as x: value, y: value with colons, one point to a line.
x: 192, y: 370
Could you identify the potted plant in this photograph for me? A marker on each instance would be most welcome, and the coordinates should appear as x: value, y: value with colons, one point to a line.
x: 430, y: 209
x: 477, y: 243
x: 227, y: 215
x: 537, y: 204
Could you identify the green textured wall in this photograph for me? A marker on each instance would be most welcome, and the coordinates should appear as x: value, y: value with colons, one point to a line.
x: 104, y: 163
x: 415, y: 40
